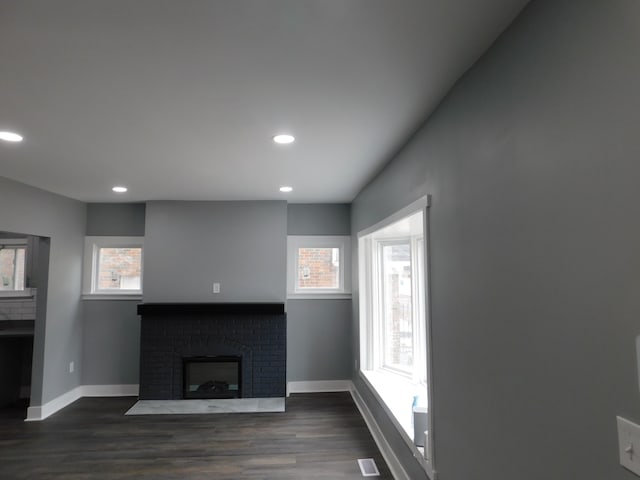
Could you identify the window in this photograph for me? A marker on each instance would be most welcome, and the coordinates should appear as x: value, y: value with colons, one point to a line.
x: 318, y: 266
x: 113, y: 266
x: 393, y: 316
x: 13, y: 257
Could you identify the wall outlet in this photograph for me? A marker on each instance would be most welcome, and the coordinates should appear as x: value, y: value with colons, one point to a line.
x: 216, y: 287
x: 72, y: 367
x: 629, y: 445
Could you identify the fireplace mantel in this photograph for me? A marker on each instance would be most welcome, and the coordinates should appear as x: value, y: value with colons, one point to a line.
x: 167, y: 309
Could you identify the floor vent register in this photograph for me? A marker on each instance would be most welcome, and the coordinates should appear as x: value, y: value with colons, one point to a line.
x: 368, y: 467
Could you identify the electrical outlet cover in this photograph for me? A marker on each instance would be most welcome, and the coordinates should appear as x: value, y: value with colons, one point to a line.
x: 629, y: 445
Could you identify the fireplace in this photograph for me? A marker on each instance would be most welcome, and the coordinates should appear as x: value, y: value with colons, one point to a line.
x: 212, y: 377
x: 253, y: 334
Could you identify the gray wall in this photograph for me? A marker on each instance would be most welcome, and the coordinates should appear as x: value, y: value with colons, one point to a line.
x: 36, y: 212
x: 532, y: 164
x: 318, y: 219
x: 319, y: 331
x: 115, y: 219
x: 318, y: 340
x: 111, y: 341
x: 190, y: 245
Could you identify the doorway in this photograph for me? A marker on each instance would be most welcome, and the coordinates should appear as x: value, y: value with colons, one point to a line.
x: 24, y: 265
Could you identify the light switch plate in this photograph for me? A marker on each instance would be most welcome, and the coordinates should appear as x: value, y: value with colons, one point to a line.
x: 216, y: 287
x: 629, y: 445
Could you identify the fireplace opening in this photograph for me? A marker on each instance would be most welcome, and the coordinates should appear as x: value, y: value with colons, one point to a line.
x: 212, y: 377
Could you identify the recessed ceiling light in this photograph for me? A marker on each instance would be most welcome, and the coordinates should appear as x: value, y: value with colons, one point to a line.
x: 10, y: 137
x: 284, y: 138
x: 119, y: 189
x: 286, y: 189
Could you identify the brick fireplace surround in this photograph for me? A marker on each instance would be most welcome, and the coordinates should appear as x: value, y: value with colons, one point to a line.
x: 173, y: 331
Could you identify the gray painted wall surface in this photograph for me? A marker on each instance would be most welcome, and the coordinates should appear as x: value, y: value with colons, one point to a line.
x: 112, y: 328
x: 115, y: 219
x: 58, y: 336
x: 319, y: 331
x: 532, y: 164
x: 318, y: 340
x: 190, y: 245
x: 111, y: 341
x: 318, y: 219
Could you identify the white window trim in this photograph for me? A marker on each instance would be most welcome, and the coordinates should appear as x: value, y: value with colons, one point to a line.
x: 26, y: 292
x: 374, y: 375
x: 92, y: 245
x: 342, y: 242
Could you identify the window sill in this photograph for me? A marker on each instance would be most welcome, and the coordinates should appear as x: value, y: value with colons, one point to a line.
x: 318, y: 296
x: 395, y: 394
x: 16, y: 294
x: 109, y: 296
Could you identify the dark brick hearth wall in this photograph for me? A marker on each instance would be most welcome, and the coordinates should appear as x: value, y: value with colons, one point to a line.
x: 260, y: 339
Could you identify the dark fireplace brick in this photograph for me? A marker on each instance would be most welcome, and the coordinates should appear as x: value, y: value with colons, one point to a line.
x: 260, y: 339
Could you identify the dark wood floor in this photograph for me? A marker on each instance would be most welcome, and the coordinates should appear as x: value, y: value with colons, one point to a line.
x: 320, y: 436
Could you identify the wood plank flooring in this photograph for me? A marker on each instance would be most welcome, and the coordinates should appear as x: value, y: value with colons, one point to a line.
x: 320, y: 436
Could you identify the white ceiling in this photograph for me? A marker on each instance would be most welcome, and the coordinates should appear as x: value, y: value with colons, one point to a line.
x: 178, y: 100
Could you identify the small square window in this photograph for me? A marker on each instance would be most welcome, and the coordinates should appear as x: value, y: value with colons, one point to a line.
x: 119, y: 268
x: 113, y: 266
x: 318, y: 266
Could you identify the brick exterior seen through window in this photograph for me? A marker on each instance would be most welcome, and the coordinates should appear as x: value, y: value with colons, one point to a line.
x: 12, y: 261
x: 319, y: 267
x: 119, y: 268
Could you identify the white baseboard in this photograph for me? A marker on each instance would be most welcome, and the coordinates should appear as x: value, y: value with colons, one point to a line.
x: 389, y: 456
x: 35, y: 414
x: 126, y: 390
x: 319, y: 386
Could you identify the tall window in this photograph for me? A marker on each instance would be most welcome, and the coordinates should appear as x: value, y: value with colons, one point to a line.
x: 13, y: 255
x: 393, y: 316
x: 394, y: 340
x: 396, y: 300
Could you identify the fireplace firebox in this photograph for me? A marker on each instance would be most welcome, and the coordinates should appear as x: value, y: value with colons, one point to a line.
x: 212, y: 377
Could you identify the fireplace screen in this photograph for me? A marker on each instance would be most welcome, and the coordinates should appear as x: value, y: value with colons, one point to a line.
x: 212, y: 377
